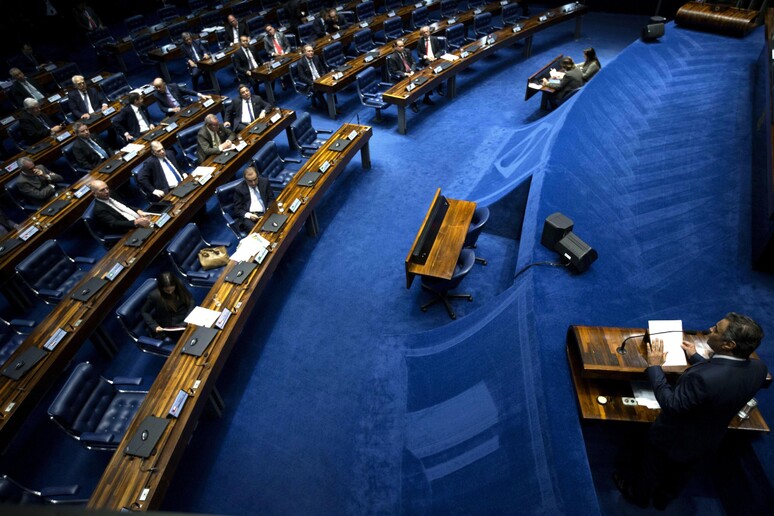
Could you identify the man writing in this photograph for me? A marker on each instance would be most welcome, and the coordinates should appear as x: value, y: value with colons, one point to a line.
x: 696, y: 411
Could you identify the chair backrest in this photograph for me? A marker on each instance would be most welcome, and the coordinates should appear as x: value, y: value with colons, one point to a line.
x: 186, y: 138
x: 464, y: 265
x: 48, y: 267
x: 96, y: 230
x: 393, y: 28
x: 256, y: 25
x: 13, y: 493
x: 282, y: 16
x: 184, y: 248
x: 67, y: 152
x: 196, y: 5
x: 455, y: 35
x: 63, y: 75
x: 365, y: 10
x: 240, y: 9
x: 225, y: 196
x: 142, y: 45
x: 302, y: 131
x: 267, y: 161
x: 100, y: 36
x: 176, y: 31
x: 363, y: 40
x: 313, y: 6
x: 448, y: 8
x: 115, y: 86
x: 419, y: 17
x: 211, y: 19
x: 64, y: 106
x: 14, y: 131
x: 482, y: 23
x: 391, y: 5
x: 306, y: 33
x: 367, y: 82
x: 168, y: 12
x: 129, y: 314
x: 442, y: 42
x: 333, y: 54
x: 12, y: 187
x: 480, y: 218
x: 511, y: 13
x: 135, y: 23
x: 472, y: 4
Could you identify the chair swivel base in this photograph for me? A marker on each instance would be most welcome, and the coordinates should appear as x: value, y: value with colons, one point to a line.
x: 444, y: 298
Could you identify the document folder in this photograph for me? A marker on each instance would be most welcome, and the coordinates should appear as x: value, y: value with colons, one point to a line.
x: 339, y: 145
x: 419, y: 81
x: 34, y: 149
x: 198, y: 342
x: 241, y: 272
x: 9, y: 245
x: 274, y: 222
x: 55, y: 207
x: 146, y: 437
x: 139, y: 236
x: 225, y: 157
x: 23, y: 363
x: 309, y: 178
x: 149, y: 137
x: 184, y: 189
x: 111, y: 165
x: 91, y: 287
x: 190, y: 110
x: 258, y: 128
x: 159, y: 207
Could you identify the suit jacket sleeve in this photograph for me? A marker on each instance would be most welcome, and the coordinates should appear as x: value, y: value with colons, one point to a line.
x: 32, y: 129
x: 151, y: 303
x: 84, y: 155
x: 241, y: 200
x: 110, y: 219
x: 689, y: 392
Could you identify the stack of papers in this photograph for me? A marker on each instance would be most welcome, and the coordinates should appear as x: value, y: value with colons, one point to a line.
x: 644, y: 395
x: 203, y: 171
x: 450, y: 57
x: 132, y: 147
x: 201, y: 316
x: 248, y: 247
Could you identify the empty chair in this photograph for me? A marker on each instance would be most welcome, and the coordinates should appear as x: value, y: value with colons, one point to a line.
x: 13, y: 493
x: 50, y: 273
x: 305, y: 137
x: 183, y: 252
x: 440, y: 287
x: 63, y: 75
x: 134, y: 23
x: 419, y: 18
x: 306, y: 33
x: 448, y: 8
x: 333, y: 55
x: 167, y: 13
x: 455, y: 36
x: 12, y: 334
x: 197, y: 5
x: 392, y: 5
x: 142, y: 45
x: 64, y: 107
x: 313, y: 6
x: 186, y: 138
x: 94, y: 410
x: 176, y: 31
x: 96, y: 231
x: 272, y: 166
x: 365, y: 10
x: 67, y: 152
x: 115, y: 86
x: 240, y: 9
x: 472, y: 4
x: 362, y: 42
x: 370, y: 89
x: 482, y: 25
x: 256, y: 25
x: 282, y: 17
x: 129, y: 314
x: 393, y: 29
x: 211, y: 19
x: 14, y: 131
x: 511, y: 13
x: 480, y: 218
x: 99, y: 39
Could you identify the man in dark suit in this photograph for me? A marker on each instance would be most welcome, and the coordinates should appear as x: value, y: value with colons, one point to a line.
x: 571, y: 80
x: 251, y: 198
x: 245, y: 61
x: 400, y: 65
x: 234, y: 29
x: 133, y: 119
x: 275, y: 43
x: 194, y: 51
x: 171, y: 97
x: 160, y: 174
x: 86, y: 18
x: 83, y: 100
x: 334, y: 23
x: 113, y: 215
x: 23, y: 88
x: 88, y: 150
x: 246, y: 109
x: 311, y: 68
x: 36, y: 125
x: 36, y: 183
x: 695, y: 412
x: 213, y: 138
x: 429, y: 50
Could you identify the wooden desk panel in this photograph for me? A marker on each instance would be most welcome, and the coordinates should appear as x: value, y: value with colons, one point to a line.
x: 126, y: 478
x: 724, y: 19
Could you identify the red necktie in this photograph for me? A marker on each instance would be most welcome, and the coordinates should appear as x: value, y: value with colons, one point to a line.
x: 277, y: 46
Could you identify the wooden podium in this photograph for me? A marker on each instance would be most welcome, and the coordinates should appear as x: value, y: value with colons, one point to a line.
x: 598, y: 370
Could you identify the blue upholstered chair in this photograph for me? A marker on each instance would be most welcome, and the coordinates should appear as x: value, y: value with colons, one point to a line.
x: 440, y: 287
x: 448, y: 8
x: 419, y: 18
x: 472, y: 4
x: 483, y: 25
x: 17, y: 138
x: 129, y: 314
x: 12, y: 334
x: 50, y: 273
x: 167, y: 13
x: 183, y: 252
x: 211, y: 19
x: 197, y: 5
x: 13, y: 493
x: 511, y: 13
x: 225, y: 196
x: 256, y: 25
x: 480, y: 218
x: 272, y: 166
x: 333, y: 55
x: 96, y: 411
x: 301, y: 87
x: 25, y: 203
x: 370, y: 89
x: 365, y: 10
x: 67, y: 152
x: 393, y: 29
x: 240, y: 9
x: 362, y: 42
x: 306, y: 34
x: 115, y: 86
x: 304, y: 136
x: 392, y: 5
x: 186, y: 139
x: 63, y: 75
x: 95, y: 230
x: 135, y: 23
x: 176, y: 31
x: 142, y: 45
x: 313, y: 6
x: 455, y: 36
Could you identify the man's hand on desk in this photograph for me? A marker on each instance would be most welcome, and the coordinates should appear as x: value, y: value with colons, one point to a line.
x: 158, y: 193
x: 656, y: 353
x: 142, y: 222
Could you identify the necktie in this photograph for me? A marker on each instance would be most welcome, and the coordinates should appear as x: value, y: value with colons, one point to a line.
x: 405, y: 63
x: 32, y: 90
x: 99, y: 150
x: 87, y: 101
x: 125, y: 211
x: 277, y: 46
x: 172, y: 99
x: 43, y: 121
x: 195, y: 53
x: 215, y: 138
x: 171, y: 172
x: 315, y: 74
x: 92, y: 24
x: 250, y: 110
x: 253, y: 64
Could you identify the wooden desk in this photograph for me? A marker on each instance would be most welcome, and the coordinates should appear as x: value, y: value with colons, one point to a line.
x: 80, y: 320
x: 724, y: 19
x: 598, y: 370
x: 126, y: 478
x: 447, y: 246
x: 537, y: 79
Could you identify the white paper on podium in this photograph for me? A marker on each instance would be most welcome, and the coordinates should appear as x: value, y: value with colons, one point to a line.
x: 249, y: 247
x: 201, y: 316
x: 672, y: 340
x: 644, y: 395
x: 202, y: 171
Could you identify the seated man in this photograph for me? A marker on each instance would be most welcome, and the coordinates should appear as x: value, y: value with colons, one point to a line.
x: 36, y: 125
x: 400, y: 65
x: 234, y: 29
x: 429, y: 50
x: 113, y: 215
x: 245, y: 61
x: 171, y: 97
x: 23, y: 87
x: 311, y: 68
x: 334, y: 23
x: 213, y: 138
x: 84, y: 101
x: 246, y: 109
x: 251, y: 198
x: 36, y: 183
x: 160, y: 173
x: 194, y: 51
x: 275, y: 43
x: 133, y: 120
x: 89, y: 150
x: 571, y: 80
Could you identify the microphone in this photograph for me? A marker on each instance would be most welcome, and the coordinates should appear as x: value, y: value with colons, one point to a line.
x: 646, y: 338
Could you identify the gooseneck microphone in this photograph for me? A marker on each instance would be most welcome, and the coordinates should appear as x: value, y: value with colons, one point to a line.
x: 646, y: 338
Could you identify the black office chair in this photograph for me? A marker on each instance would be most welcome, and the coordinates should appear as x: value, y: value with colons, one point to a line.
x: 455, y: 36
x: 304, y: 136
x: 129, y: 314
x: 183, y: 252
x: 94, y: 410
x: 13, y: 493
x: 225, y: 196
x: 12, y: 334
x: 115, y: 86
x: 365, y: 11
x: 96, y: 231
x: 269, y: 164
x: 440, y: 287
x: 370, y: 90
x: 50, y: 273
x: 480, y: 218
x: 186, y: 139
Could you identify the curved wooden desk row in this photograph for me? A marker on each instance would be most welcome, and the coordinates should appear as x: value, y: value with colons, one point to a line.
x: 54, y: 145
x: 80, y: 319
x: 599, y: 370
x: 717, y: 18
x: 51, y: 226
x: 140, y: 484
x: 401, y: 97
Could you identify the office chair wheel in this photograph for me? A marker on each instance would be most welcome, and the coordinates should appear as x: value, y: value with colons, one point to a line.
x: 424, y: 309
x: 470, y: 299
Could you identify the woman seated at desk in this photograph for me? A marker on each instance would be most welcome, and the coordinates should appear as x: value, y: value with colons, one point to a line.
x: 167, y: 306
x: 590, y: 65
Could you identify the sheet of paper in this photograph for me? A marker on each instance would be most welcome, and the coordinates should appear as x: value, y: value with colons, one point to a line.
x: 132, y: 147
x: 671, y: 332
x: 534, y: 86
x: 203, y: 171
x: 644, y: 395
x: 249, y: 247
x: 201, y: 316
x: 450, y: 57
